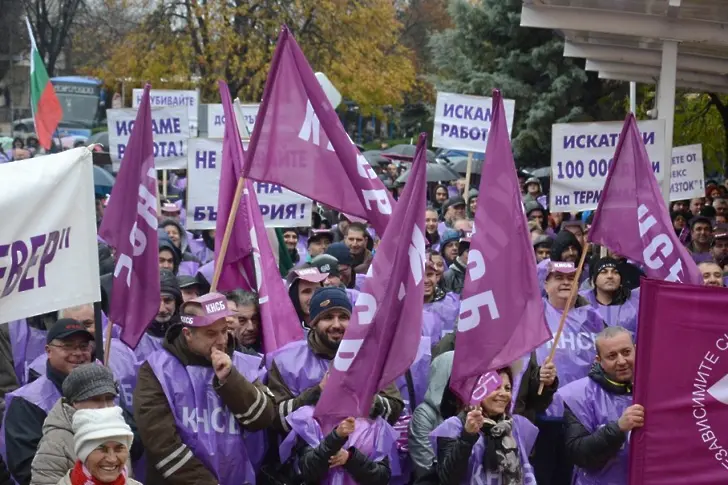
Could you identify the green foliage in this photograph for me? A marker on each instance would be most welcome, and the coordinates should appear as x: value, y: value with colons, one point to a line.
x: 487, y: 48
x: 698, y: 120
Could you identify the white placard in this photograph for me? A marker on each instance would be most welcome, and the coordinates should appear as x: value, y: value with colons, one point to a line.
x: 216, y: 119
x: 688, y: 175
x: 173, y: 98
x: 462, y: 122
x: 48, y: 235
x: 169, y: 127
x: 280, y: 207
x: 581, y: 154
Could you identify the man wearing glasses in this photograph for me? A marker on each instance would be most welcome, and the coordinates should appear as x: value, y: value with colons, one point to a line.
x: 68, y: 345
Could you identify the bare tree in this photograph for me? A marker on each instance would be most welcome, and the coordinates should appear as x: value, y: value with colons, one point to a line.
x: 52, y: 21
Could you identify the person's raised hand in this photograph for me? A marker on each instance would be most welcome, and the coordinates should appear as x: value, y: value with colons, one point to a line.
x: 346, y: 427
x: 547, y: 374
x: 474, y: 421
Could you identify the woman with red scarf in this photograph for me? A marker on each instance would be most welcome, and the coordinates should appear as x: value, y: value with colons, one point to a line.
x: 101, y: 441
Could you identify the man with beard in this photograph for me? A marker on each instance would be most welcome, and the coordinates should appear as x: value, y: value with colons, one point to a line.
x: 616, y: 303
x: 712, y: 274
x: 566, y: 247
x: 299, y: 370
x: 356, y: 240
x: 68, y: 345
x: 719, y: 248
x: 200, y: 404
x: 170, y: 300
x: 454, y: 276
x: 599, y: 412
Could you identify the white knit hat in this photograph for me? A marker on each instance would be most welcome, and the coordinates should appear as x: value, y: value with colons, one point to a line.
x: 94, y: 427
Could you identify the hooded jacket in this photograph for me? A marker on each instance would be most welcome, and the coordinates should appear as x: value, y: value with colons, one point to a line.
x: 453, y: 280
x: 429, y: 415
x: 157, y: 426
x: 563, y: 240
x: 184, y: 244
x: 282, y: 394
x: 166, y: 243
x: 55, y: 454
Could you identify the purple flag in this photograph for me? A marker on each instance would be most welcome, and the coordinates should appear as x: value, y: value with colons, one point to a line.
x: 130, y: 226
x: 381, y: 341
x: 249, y: 264
x: 298, y: 142
x: 632, y: 219
x: 501, y: 309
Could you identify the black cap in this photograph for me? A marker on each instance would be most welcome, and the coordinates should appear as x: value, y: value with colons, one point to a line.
x: 64, y: 328
x: 452, y: 202
x: 341, y: 252
x: 186, y: 281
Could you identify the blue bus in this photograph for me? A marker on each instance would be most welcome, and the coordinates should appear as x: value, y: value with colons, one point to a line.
x: 83, y: 100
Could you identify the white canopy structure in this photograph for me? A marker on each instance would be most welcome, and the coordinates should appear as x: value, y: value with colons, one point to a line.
x: 671, y: 43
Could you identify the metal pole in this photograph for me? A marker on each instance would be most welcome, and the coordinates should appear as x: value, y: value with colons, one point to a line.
x: 633, y: 97
x: 666, y: 108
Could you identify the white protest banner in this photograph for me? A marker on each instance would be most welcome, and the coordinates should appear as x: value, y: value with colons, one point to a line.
x: 462, y: 122
x: 280, y: 207
x: 686, y: 179
x: 581, y: 154
x: 172, y: 98
x: 48, y: 235
x: 216, y: 119
x: 170, y: 129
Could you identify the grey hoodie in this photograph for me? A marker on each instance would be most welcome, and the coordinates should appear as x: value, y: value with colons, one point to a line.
x: 427, y: 416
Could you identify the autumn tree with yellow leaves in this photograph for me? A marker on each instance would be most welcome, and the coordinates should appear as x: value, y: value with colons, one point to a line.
x: 194, y: 43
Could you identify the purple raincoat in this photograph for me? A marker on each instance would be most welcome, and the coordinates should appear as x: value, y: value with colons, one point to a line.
x: 204, y: 423
x: 359, y: 281
x: 353, y: 295
x: 624, y: 315
x: 420, y: 371
x: 27, y: 344
x: 299, y: 367
x: 375, y: 439
x: 188, y: 268
x: 445, y: 313
x: 575, y: 352
x: 523, y: 432
x: 302, y: 247
x: 594, y: 408
x: 148, y: 344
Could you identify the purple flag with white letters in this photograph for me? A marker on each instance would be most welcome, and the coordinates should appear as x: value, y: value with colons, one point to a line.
x: 382, y: 339
x: 298, y: 142
x: 249, y: 262
x: 632, y: 219
x: 130, y: 226
x: 501, y: 308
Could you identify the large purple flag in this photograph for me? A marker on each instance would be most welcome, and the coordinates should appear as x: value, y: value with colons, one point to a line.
x: 501, y: 309
x: 632, y: 219
x: 130, y: 226
x: 382, y: 339
x: 298, y: 142
x: 249, y: 264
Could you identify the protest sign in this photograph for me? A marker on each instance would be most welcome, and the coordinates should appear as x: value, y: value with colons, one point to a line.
x: 170, y: 129
x: 581, y: 154
x: 279, y: 206
x: 47, y: 235
x: 216, y: 119
x: 462, y: 121
x: 172, y: 98
x: 687, y: 174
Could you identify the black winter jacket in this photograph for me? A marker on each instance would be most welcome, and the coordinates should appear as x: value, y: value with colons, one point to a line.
x: 592, y: 451
x: 314, y: 462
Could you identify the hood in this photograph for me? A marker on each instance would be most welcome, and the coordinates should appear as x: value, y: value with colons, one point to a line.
x: 59, y: 418
x: 440, y: 371
x: 166, y: 243
x: 563, y: 240
x: 183, y: 242
x: 596, y: 373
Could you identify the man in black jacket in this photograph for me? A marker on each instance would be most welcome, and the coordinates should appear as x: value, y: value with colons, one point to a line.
x: 599, y: 413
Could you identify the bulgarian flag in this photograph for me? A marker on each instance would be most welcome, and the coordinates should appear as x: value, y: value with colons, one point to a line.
x: 47, y: 111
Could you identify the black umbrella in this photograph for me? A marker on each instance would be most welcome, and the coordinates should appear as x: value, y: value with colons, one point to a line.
x: 103, y: 181
x: 100, y: 138
x: 460, y: 164
x: 375, y: 156
x: 405, y: 153
x: 435, y: 173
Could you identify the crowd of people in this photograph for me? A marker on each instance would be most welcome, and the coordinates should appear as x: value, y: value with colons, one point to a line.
x: 197, y: 402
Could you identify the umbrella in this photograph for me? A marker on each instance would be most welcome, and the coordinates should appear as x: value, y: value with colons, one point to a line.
x: 405, y: 153
x: 460, y: 164
x: 375, y: 156
x: 100, y: 138
x: 435, y: 173
x: 542, y: 172
x: 103, y: 181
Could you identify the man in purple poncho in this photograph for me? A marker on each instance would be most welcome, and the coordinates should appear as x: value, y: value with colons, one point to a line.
x: 199, y: 404
x: 599, y: 412
x: 170, y: 300
x: 615, y: 302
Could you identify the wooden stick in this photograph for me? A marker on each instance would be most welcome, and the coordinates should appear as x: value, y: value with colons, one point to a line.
x: 220, y: 257
x: 107, y: 344
x: 565, y: 313
x: 468, y: 172
x: 164, y: 183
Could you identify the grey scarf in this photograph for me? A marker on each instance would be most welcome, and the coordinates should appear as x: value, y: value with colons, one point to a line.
x: 501, y: 454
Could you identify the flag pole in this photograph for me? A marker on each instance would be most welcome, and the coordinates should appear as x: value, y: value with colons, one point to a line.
x: 468, y: 172
x: 564, y: 314
x: 107, y: 344
x: 228, y: 232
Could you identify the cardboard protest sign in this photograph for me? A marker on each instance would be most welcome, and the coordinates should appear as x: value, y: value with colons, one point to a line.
x: 216, y: 119
x: 172, y: 98
x: 169, y: 126
x: 48, y: 235
x: 462, y: 122
x: 279, y: 206
x: 581, y: 154
x: 687, y: 173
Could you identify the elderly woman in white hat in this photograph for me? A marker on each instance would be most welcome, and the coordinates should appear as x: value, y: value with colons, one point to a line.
x: 101, y: 441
